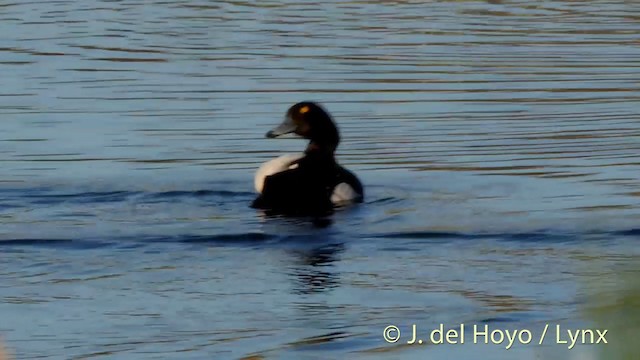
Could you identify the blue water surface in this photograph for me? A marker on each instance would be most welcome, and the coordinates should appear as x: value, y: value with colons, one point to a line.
x: 498, y: 143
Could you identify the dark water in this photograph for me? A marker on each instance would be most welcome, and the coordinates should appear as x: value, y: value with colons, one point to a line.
x: 498, y: 142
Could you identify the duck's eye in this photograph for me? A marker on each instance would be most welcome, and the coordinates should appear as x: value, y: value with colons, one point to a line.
x: 304, y: 109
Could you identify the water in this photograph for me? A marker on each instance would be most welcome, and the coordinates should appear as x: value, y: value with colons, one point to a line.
x: 498, y: 142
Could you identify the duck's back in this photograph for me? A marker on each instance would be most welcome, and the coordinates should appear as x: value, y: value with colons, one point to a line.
x: 297, y: 191
x: 313, y: 186
x: 347, y: 188
x: 274, y: 166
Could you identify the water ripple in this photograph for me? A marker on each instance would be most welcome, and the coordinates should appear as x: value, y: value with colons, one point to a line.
x: 497, y: 140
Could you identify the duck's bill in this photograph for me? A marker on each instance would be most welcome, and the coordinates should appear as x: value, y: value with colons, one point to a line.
x: 286, y: 127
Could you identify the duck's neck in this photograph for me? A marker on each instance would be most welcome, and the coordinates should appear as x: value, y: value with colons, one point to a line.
x: 322, y: 155
x: 324, y: 138
x: 315, y: 147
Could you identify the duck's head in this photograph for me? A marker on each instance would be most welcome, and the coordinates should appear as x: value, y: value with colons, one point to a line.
x: 310, y: 121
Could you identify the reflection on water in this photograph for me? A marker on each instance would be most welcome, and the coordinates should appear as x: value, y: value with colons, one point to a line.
x: 613, y: 305
x: 314, y: 273
x: 498, y: 141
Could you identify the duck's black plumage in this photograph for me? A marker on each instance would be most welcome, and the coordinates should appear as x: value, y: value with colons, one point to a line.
x: 308, y: 188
